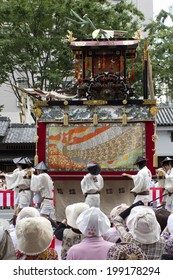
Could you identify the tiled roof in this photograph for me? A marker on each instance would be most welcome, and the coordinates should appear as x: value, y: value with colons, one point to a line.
x: 4, y: 124
x: 164, y: 116
x: 20, y: 133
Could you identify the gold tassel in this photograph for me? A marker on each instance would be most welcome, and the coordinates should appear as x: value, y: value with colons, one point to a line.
x: 35, y: 160
x: 95, y: 119
x: 155, y: 160
x: 124, y: 118
x: 65, y: 118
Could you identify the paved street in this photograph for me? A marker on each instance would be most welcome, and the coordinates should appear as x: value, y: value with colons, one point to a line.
x: 6, y: 214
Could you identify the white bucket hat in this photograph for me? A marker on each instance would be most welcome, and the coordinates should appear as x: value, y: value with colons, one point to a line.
x: 34, y: 235
x: 27, y: 212
x: 4, y: 225
x: 72, y: 212
x: 143, y: 225
x: 93, y: 222
x: 170, y: 224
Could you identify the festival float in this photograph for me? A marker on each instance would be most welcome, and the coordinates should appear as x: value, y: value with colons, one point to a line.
x: 98, y: 120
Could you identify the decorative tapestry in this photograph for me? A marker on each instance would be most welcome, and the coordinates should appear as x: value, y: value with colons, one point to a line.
x: 113, y: 146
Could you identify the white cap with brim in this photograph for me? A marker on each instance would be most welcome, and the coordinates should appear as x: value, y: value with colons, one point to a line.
x: 27, y: 212
x: 73, y: 211
x: 4, y: 225
x: 93, y: 222
x: 34, y: 235
x: 170, y: 224
x: 143, y: 225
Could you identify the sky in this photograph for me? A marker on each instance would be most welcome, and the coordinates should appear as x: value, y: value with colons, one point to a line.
x: 161, y: 5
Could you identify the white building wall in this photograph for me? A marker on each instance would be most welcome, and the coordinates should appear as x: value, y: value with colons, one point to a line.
x: 146, y: 7
x: 164, y: 145
x: 9, y: 100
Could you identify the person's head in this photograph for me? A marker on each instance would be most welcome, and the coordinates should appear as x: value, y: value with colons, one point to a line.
x: 125, y: 251
x: 27, y: 212
x: 34, y: 235
x: 93, y: 222
x: 170, y: 224
x: 167, y: 163
x: 41, y: 167
x: 117, y: 210
x: 16, y: 162
x: 162, y: 215
x: 73, y: 211
x: 93, y: 168
x: 143, y: 225
x: 25, y: 163
x: 140, y: 162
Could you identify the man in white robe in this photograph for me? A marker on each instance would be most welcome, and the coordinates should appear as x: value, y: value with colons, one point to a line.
x: 167, y: 182
x: 92, y: 184
x: 142, y: 181
x: 42, y: 185
x: 21, y: 179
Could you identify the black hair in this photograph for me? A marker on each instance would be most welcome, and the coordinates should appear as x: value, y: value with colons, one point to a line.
x: 141, y: 164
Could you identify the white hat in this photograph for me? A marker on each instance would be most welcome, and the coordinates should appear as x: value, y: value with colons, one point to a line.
x: 72, y: 212
x: 34, y: 235
x: 4, y: 225
x: 117, y: 210
x: 27, y: 212
x: 93, y: 222
x: 143, y: 225
x: 170, y: 224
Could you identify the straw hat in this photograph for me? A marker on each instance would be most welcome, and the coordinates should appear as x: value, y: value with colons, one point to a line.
x: 41, y: 166
x: 34, y: 235
x: 27, y: 212
x: 143, y: 225
x: 166, y: 160
x: 16, y: 160
x: 25, y: 161
x: 140, y: 159
x: 72, y: 212
x: 93, y: 222
x: 94, y: 168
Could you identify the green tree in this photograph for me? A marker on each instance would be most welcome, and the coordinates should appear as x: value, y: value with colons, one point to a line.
x: 33, y: 44
x: 160, y: 39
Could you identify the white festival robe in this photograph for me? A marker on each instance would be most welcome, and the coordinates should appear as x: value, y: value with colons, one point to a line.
x: 43, y: 184
x: 92, y: 184
x: 167, y: 184
x: 142, y: 182
x: 17, y: 180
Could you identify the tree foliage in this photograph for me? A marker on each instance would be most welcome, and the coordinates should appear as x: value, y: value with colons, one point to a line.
x: 160, y: 38
x: 33, y: 45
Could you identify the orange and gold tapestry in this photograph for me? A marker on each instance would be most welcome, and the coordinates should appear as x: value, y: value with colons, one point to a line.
x: 113, y: 146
